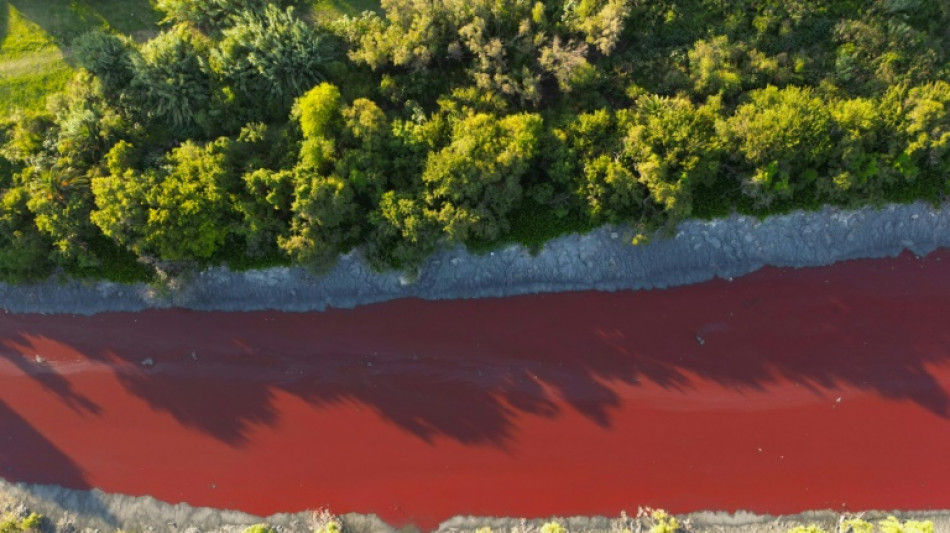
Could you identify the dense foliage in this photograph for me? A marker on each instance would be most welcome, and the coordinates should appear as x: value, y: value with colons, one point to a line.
x: 247, y: 133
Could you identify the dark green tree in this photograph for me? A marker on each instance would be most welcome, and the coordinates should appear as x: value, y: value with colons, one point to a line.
x: 268, y: 59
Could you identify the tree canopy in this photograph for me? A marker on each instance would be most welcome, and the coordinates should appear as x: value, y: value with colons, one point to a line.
x: 253, y: 132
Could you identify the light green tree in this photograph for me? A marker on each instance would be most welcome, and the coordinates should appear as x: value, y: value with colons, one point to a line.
x: 473, y: 183
x: 783, y: 140
x: 178, y: 212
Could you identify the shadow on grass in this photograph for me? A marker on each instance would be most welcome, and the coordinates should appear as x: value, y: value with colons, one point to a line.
x: 4, y: 19
x: 64, y: 20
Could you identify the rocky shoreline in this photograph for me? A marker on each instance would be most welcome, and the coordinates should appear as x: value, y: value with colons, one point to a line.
x: 604, y: 260
x: 93, y: 511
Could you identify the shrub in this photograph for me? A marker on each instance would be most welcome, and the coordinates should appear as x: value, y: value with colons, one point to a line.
x: 260, y: 528
x: 107, y: 56
x: 553, y: 527
x: 663, y: 522
x: 268, y: 59
x: 807, y: 529
x: 856, y: 525
x: 12, y: 524
x: 783, y: 141
x: 172, y: 85
x: 893, y: 525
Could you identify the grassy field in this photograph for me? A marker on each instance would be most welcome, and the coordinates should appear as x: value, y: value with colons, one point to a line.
x: 31, y: 64
x: 35, y: 37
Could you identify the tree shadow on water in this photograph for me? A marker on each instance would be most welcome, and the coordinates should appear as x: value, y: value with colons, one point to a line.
x: 50, y: 379
x: 26, y: 455
x: 43, y: 471
x: 469, y: 370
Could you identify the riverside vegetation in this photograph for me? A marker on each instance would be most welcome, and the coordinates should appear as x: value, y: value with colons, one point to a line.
x: 256, y: 133
x: 657, y: 520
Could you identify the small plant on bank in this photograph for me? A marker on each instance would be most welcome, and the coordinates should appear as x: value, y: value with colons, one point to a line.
x: 812, y: 528
x: 12, y: 524
x: 553, y: 527
x: 857, y: 525
x: 660, y: 521
x: 893, y: 525
x: 323, y: 521
x: 260, y: 528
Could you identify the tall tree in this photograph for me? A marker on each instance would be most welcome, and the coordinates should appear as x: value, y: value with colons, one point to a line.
x: 474, y: 182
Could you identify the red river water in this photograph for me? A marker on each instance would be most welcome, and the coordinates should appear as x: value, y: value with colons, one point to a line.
x: 781, y: 391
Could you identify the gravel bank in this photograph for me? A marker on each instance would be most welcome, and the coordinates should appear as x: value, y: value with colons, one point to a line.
x: 71, y: 511
x: 603, y: 259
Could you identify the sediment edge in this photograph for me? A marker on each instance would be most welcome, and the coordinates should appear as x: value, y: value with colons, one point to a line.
x: 603, y: 260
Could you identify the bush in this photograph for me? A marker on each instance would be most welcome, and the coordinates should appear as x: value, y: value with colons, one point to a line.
x: 267, y: 60
x: 30, y: 523
x: 782, y: 140
x: 260, y: 528
x: 107, y: 56
x: 172, y: 85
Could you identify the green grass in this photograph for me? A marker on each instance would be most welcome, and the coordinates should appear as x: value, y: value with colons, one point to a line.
x: 35, y: 36
x: 31, y: 65
x: 64, y: 20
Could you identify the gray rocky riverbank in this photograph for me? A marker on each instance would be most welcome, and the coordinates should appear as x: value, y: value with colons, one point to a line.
x: 604, y: 259
x: 73, y: 511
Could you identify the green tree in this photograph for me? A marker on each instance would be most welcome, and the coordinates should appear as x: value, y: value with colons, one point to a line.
x: 600, y: 21
x: 587, y: 159
x: 473, y: 183
x: 172, y: 85
x: 326, y: 219
x: 867, y: 152
x: 24, y: 251
x: 212, y: 15
x: 927, y: 127
x: 108, y: 57
x: 713, y: 66
x: 509, y: 47
x: 268, y: 59
x: 178, y: 212
x: 782, y: 141
x: 404, y: 231
x: 675, y: 148
x: 890, y: 42
x: 319, y: 111
x: 266, y: 208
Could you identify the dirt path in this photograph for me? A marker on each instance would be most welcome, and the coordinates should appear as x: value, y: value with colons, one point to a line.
x: 777, y: 392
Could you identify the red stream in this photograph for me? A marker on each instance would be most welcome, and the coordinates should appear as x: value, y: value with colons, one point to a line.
x: 781, y: 391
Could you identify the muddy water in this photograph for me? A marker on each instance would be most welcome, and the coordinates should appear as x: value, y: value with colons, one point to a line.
x: 781, y: 391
